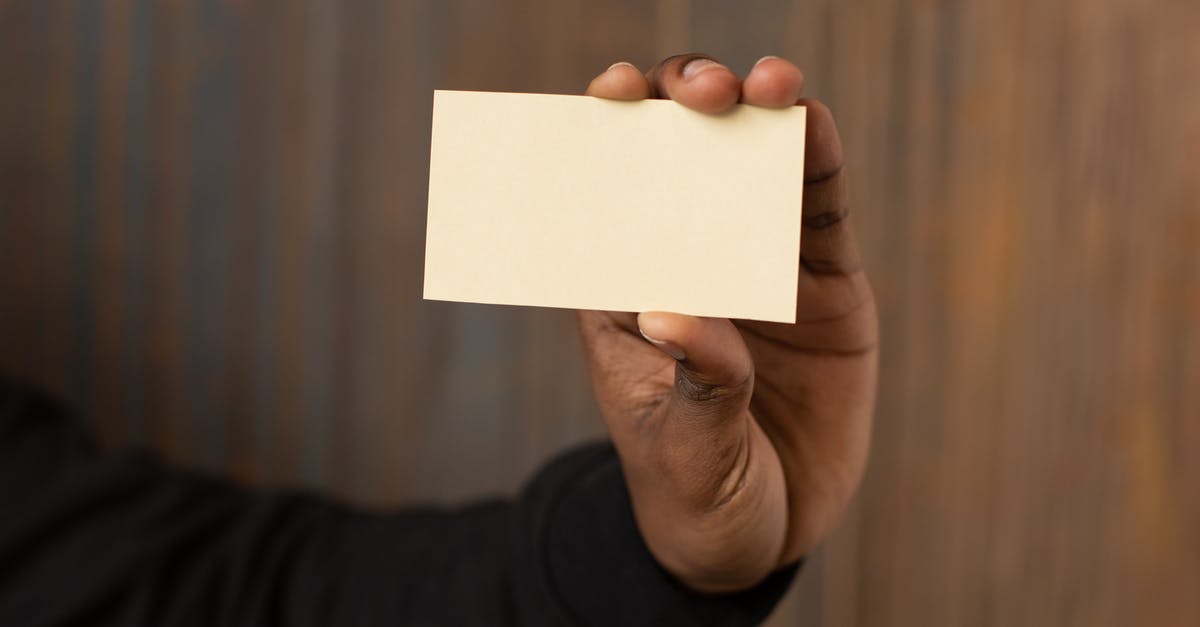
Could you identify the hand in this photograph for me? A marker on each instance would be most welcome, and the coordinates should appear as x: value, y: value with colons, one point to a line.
x: 742, y: 442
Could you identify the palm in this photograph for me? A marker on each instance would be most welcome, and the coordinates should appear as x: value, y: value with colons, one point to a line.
x: 792, y: 404
x: 810, y: 423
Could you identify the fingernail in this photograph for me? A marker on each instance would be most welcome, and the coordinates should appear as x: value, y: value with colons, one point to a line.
x: 667, y: 347
x: 619, y: 64
x: 766, y: 58
x: 695, y: 67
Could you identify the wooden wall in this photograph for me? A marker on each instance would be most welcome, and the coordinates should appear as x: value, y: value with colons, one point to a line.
x: 211, y: 219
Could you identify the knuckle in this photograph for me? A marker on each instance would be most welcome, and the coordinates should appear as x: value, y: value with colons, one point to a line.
x: 830, y: 266
x: 826, y: 202
x: 826, y: 174
x: 826, y: 219
x: 672, y: 66
x: 696, y: 390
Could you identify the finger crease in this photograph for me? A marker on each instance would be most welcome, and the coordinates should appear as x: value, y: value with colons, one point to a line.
x: 821, y: 177
x: 697, y: 391
x: 831, y: 352
x: 826, y: 267
x: 826, y: 219
x: 838, y: 316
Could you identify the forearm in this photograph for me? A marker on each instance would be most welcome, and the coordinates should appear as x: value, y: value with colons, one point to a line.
x: 124, y: 540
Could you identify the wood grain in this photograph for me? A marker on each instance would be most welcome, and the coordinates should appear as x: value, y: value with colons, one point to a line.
x: 211, y: 224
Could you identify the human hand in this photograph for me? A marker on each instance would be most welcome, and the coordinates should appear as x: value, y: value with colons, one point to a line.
x: 742, y: 442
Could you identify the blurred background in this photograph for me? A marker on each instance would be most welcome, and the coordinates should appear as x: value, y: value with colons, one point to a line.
x: 211, y: 243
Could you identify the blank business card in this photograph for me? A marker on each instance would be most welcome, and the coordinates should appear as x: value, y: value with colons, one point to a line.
x: 578, y: 202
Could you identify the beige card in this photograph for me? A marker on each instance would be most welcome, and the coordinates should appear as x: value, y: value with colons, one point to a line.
x: 573, y: 201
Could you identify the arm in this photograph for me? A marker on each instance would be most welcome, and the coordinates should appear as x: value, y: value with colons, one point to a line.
x: 738, y: 445
x: 125, y: 541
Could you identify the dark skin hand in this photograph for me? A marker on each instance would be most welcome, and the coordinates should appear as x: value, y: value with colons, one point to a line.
x: 742, y: 442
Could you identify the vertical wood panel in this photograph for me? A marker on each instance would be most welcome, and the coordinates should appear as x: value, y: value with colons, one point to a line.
x: 211, y: 225
x: 54, y: 248
x: 108, y: 269
x: 252, y: 237
x: 170, y: 155
x: 18, y: 166
x: 292, y: 143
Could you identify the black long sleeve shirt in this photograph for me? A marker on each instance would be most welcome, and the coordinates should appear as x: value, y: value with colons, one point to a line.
x: 88, y: 539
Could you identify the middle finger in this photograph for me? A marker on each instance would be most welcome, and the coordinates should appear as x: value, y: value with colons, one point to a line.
x: 696, y: 81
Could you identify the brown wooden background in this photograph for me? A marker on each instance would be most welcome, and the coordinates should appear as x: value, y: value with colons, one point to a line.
x: 211, y: 219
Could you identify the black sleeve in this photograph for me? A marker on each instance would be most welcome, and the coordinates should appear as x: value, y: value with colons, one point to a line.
x: 90, y: 540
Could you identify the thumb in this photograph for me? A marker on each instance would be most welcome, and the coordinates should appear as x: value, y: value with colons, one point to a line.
x: 714, y: 373
x: 711, y: 502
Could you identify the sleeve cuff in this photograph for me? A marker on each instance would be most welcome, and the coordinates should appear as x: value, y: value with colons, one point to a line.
x: 576, y: 528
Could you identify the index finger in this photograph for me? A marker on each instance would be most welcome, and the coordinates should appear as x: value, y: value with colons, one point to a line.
x: 827, y: 243
x: 621, y: 81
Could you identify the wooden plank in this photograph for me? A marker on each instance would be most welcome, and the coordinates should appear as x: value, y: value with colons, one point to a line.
x: 108, y: 270
x: 162, y: 357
